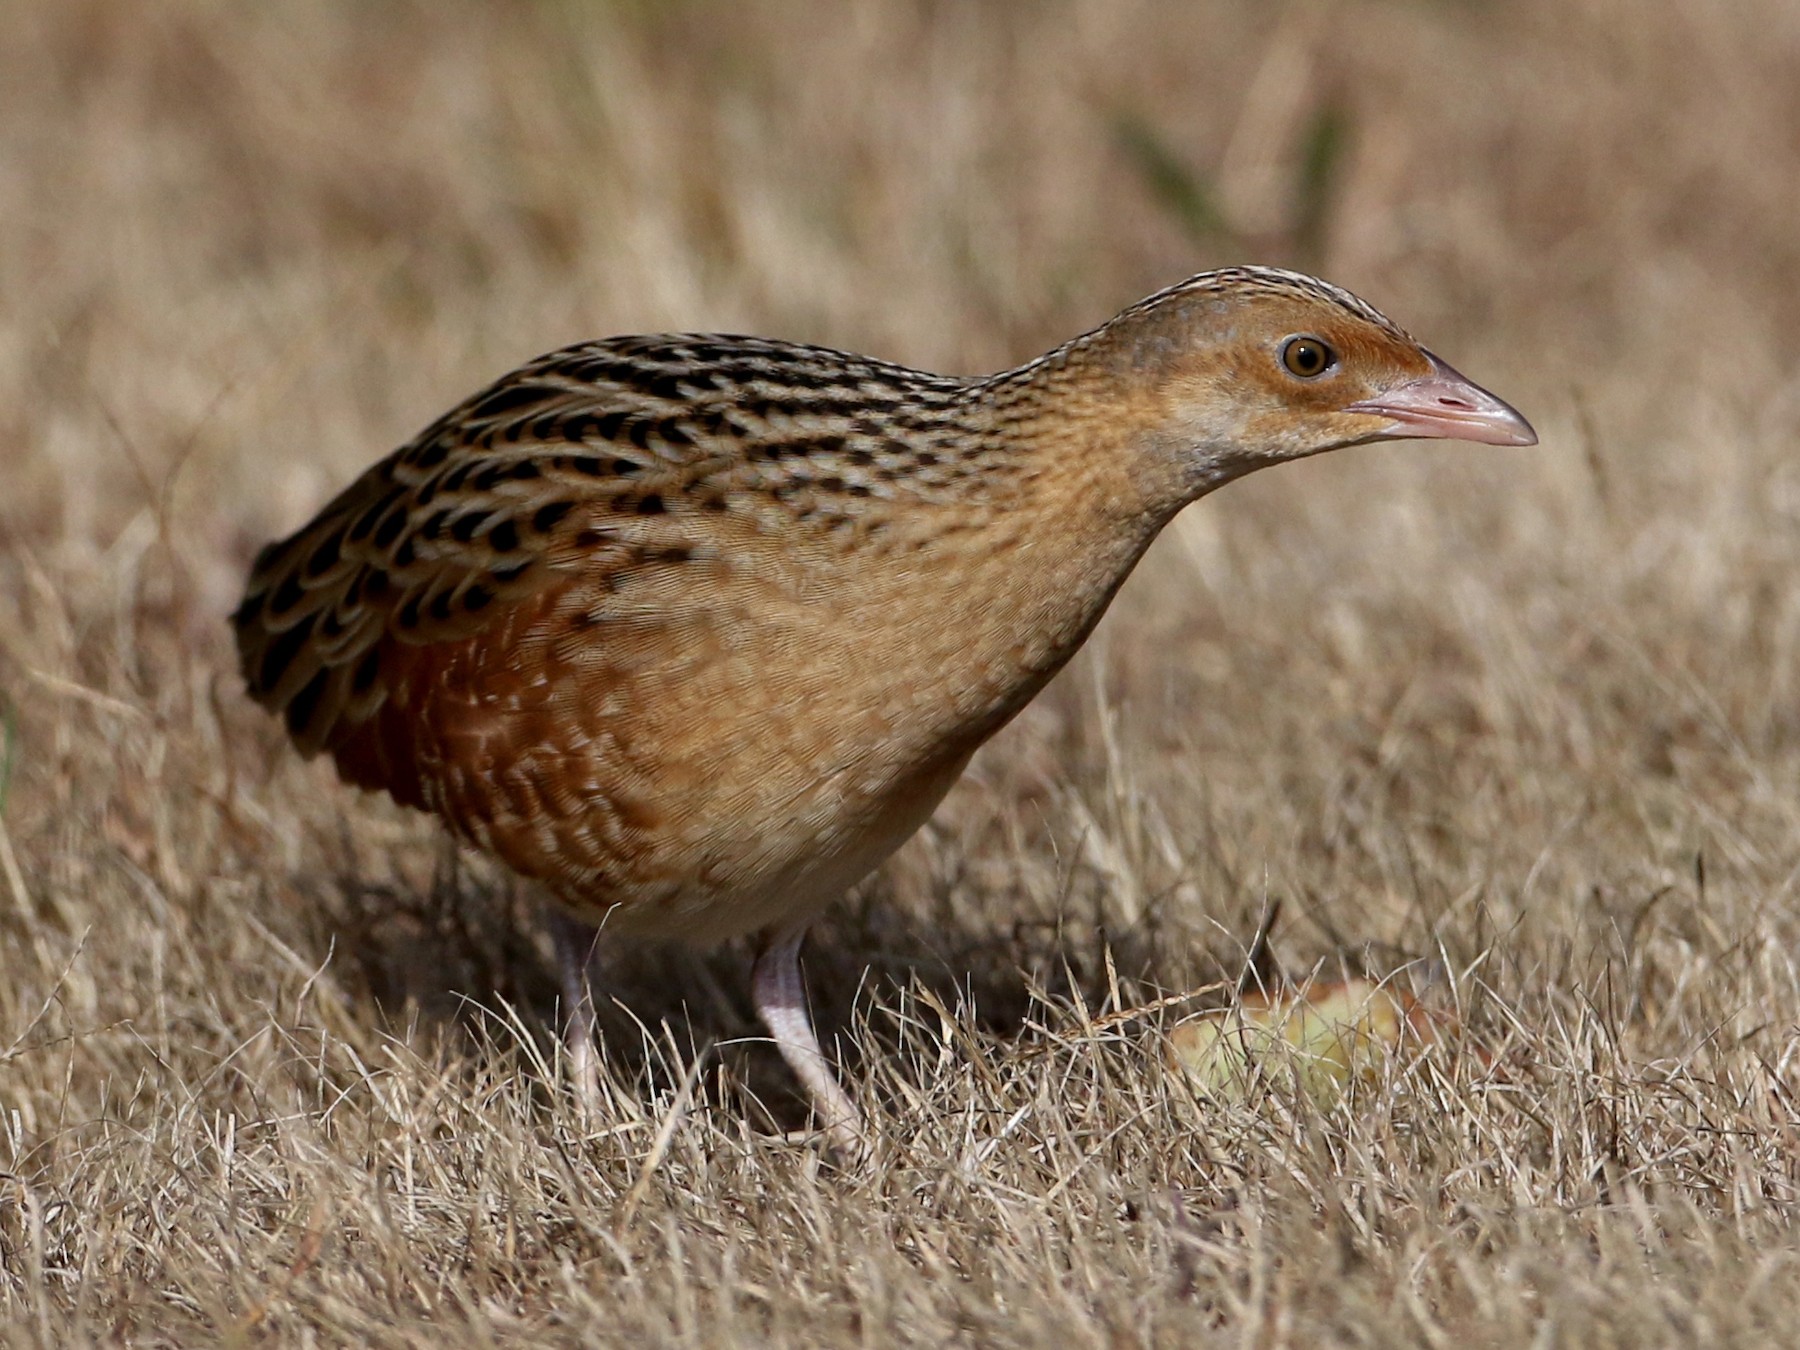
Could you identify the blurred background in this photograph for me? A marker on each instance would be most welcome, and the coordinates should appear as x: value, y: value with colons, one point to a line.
x: 1430, y: 693
x: 1522, y: 723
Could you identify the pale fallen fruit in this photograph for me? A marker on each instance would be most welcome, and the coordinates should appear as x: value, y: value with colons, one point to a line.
x: 1320, y: 1036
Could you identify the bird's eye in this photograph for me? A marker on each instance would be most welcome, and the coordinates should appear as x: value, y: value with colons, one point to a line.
x: 1307, y: 357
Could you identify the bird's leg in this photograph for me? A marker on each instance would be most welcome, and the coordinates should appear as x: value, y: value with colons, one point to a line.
x: 780, y: 998
x: 574, y: 942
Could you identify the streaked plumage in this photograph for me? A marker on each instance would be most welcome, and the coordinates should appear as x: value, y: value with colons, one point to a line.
x: 695, y: 630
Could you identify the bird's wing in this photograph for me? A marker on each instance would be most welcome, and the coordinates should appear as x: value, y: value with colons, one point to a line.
x: 574, y: 468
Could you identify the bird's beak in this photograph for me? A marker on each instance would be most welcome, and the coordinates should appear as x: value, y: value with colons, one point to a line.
x: 1445, y: 404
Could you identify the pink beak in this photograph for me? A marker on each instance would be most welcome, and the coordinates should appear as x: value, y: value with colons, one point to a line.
x: 1444, y: 404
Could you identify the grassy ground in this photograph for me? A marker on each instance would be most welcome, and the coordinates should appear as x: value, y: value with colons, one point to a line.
x: 1518, y: 725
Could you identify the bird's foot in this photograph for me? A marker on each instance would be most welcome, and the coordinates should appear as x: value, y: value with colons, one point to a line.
x: 780, y: 997
x: 574, y: 942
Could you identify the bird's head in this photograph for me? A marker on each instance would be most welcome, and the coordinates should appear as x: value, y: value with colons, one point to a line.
x: 1254, y: 366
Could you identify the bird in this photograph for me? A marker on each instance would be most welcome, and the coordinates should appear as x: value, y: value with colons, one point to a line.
x: 694, y: 630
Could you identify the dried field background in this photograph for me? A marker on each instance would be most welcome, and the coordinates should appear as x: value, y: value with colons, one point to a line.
x: 1519, y: 725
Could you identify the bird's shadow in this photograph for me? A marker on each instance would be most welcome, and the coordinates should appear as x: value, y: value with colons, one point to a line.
x: 462, y: 955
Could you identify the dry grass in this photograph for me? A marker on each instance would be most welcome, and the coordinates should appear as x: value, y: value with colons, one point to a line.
x: 1522, y: 724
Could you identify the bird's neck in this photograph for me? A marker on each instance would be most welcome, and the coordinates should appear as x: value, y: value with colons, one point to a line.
x: 1049, y: 522
x: 1108, y: 414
